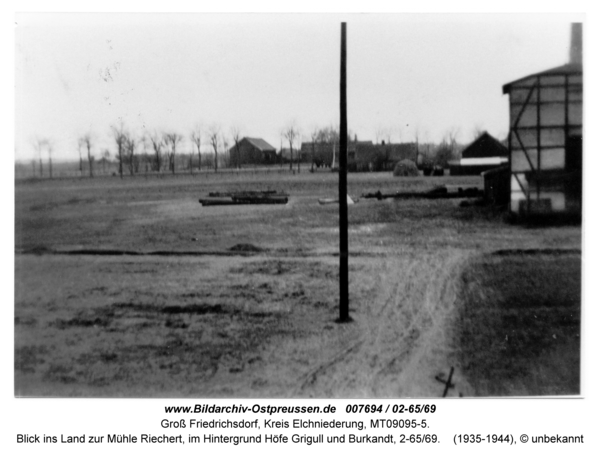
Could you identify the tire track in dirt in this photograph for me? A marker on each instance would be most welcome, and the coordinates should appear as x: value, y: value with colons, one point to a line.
x: 428, y: 351
x: 402, y: 340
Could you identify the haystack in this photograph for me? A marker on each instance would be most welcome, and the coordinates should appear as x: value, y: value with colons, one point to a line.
x: 406, y: 168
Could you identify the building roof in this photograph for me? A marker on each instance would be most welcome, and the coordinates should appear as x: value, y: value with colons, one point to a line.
x: 350, y: 143
x: 285, y: 152
x: 261, y: 144
x: 485, y: 146
x: 369, y: 152
x: 569, y: 68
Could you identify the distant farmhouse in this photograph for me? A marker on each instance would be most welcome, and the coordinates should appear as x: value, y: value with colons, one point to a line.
x: 367, y: 156
x: 485, y: 153
x: 252, y: 152
x: 286, y: 155
x: 545, y: 139
x: 363, y: 155
x: 323, y: 153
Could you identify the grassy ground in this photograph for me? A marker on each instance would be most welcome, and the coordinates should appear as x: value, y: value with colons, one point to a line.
x: 519, y: 324
x: 150, y: 214
x: 234, y: 324
x: 174, y: 325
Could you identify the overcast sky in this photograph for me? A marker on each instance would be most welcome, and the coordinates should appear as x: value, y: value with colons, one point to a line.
x: 78, y: 73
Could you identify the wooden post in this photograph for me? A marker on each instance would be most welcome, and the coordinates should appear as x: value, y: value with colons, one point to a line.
x: 344, y: 306
x: 449, y: 382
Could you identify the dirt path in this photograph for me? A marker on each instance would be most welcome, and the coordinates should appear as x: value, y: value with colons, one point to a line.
x: 402, y: 340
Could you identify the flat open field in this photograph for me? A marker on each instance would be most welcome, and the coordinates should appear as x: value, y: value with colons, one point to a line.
x: 132, y: 288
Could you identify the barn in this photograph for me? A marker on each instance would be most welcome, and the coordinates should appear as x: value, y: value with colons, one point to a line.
x: 485, y: 153
x: 545, y: 139
x: 321, y: 153
x: 367, y: 156
x: 251, y: 151
x: 325, y: 153
x: 286, y: 155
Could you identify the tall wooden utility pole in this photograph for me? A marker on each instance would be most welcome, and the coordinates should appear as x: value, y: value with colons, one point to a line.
x: 343, y: 193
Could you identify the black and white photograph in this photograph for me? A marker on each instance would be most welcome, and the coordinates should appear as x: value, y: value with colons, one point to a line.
x: 298, y: 205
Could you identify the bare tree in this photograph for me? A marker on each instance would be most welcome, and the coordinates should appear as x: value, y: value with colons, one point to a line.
x: 321, y: 159
x: 172, y: 139
x: 314, y: 136
x: 448, y: 148
x: 425, y: 146
x: 225, y: 143
x: 120, y: 137
x: 237, y: 138
x: 299, y: 149
x: 332, y: 137
x: 452, y: 138
x: 196, y: 137
x: 213, y: 135
x: 105, y: 159
x: 86, y: 140
x: 145, y: 157
x: 290, y: 133
x: 130, y: 145
x: 39, y: 144
x: 49, y: 146
x: 157, y: 145
x: 79, y: 145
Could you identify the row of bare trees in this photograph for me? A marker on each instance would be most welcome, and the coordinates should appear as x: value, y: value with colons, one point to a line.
x: 158, y: 151
x: 165, y: 147
x: 132, y: 149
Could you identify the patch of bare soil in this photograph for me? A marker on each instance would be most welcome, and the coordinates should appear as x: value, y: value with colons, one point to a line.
x: 401, y: 338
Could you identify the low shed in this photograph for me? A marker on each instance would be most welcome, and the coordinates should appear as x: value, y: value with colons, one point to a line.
x: 496, y: 185
x: 485, y: 153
